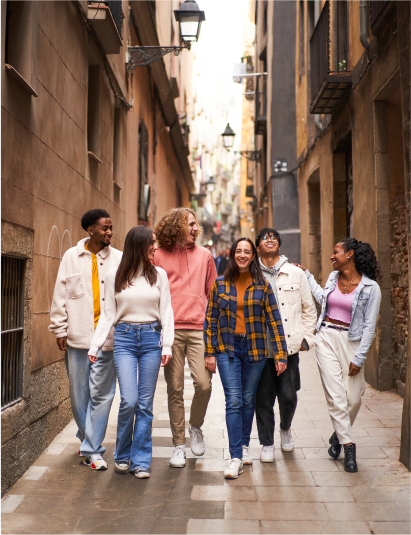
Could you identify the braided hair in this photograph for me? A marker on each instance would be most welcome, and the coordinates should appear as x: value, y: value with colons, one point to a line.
x: 364, y: 257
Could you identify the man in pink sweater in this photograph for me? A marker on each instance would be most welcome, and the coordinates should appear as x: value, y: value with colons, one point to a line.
x: 191, y: 274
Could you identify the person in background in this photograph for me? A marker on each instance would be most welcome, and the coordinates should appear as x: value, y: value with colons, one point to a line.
x: 350, y: 304
x: 224, y: 262
x: 240, y: 309
x: 191, y: 273
x: 218, y: 258
x: 299, y: 316
x: 77, y: 304
x: 138, y: 303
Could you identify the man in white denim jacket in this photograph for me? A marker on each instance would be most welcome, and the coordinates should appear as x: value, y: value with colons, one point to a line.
x: 299, y: 316
x: 78, y: 300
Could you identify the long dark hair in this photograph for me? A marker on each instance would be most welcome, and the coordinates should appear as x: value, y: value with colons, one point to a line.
x: 364, y: 257
x: 136, y: 244
x: 232, y: 271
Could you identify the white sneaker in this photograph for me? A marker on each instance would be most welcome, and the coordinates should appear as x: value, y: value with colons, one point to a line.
x: 287, y: 442
x: 247, y: 459
x: 267, y: 454
x: 122, y: 466
x: 95, y: 462
x: 178, y: 460
x: 235, y: 468
x: 140, y: 473
x: 197, y: 440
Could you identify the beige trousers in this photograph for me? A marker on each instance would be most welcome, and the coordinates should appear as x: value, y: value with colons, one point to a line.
x: 190, y: 344
x: 334, y: 353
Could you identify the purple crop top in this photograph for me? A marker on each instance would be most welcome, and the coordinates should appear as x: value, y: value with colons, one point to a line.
x: 340, y: 305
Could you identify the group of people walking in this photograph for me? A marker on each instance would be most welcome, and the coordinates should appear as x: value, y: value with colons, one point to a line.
x: 161, y: 302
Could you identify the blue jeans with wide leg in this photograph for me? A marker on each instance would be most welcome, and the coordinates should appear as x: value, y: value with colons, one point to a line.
x: 240, y: 377
x: 92, y: 388
x: 137, y: 357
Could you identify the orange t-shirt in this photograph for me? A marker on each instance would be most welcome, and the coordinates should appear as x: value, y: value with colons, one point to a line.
x: 242, y: 283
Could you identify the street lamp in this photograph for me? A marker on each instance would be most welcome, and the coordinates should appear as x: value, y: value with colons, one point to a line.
x: 228, y: 138
x: 211, y: 184
x: 189, y: 16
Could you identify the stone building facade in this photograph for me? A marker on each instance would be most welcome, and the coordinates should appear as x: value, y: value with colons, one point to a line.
x: 353, y: 109
x: 79, y: 131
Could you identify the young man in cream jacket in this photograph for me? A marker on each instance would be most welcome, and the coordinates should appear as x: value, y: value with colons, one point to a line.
x: 78, y: 301
x: 298, y: 314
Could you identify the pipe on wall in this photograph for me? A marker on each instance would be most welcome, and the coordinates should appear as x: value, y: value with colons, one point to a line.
x: 364, y: 23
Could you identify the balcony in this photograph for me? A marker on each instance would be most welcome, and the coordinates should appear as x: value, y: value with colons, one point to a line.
x: 261, y: 105
x: 328, y: 86
x: 106, y: 19
x: 378, y: 14
x: 226, y: 209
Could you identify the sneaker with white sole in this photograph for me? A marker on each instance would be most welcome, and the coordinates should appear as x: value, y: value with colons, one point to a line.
x: 235, y: 468
x: 267, y: 454
x: 287, y: 442
x: 197, y: 440
x: 178, y: 460
x: 247, y: 459
x: 121, y: 465
x: 95, y: 462
x: 141, y: 473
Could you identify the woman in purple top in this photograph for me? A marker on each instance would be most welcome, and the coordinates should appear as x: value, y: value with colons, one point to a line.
x: 350, y: 303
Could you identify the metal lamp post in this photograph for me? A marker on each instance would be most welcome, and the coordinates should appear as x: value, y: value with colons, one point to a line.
x: 228, y: 138
x: 189, y: 16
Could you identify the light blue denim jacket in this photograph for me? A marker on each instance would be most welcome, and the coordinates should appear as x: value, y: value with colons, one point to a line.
x: 364, y: 315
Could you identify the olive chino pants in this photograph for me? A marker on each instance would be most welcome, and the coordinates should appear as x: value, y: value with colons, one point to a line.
x: 187, y: 344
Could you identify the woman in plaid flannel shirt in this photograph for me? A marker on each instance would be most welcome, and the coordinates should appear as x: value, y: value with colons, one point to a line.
x: 241, y: 306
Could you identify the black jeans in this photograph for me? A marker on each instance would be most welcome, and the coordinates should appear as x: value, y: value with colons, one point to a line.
x: 284, y: 387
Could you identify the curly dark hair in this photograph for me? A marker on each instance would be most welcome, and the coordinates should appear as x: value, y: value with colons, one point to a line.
x: 364, y: 257
x: 90, y: 217
x: 136, y: 244
x: 265, y: 231
x: 232, y: 271
x: 172, y: 227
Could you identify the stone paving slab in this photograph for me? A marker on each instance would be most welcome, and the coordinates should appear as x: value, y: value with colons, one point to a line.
x: 303, y: 491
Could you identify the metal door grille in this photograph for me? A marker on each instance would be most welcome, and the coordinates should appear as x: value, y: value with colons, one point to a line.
x: 12, y: 324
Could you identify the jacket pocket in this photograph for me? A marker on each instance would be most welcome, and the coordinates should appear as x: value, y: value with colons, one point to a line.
x: 292, y: 293
x: 74, y: 286
x: 223, y: 301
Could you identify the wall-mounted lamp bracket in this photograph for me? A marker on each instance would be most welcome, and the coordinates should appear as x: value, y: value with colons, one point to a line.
x: 252, y: 155
x: 141, y: 56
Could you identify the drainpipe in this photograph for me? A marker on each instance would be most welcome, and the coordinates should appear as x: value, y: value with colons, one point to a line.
x: 317, y: 121
x: 365, y: 24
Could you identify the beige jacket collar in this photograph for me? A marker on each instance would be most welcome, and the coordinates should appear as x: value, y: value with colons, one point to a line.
x: 81, y: 248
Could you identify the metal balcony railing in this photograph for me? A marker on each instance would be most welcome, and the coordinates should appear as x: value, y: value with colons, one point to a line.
x: 376, y: 10
x: 327, y: 86
x: 116, y: 8
x: 261, y: 105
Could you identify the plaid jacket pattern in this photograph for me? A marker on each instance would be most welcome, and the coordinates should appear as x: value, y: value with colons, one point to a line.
x: 260, y: 309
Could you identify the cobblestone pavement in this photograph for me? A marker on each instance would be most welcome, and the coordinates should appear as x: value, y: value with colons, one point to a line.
x: 301, y: 492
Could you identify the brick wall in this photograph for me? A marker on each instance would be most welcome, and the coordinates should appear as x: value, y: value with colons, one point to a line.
x: 399, y: 291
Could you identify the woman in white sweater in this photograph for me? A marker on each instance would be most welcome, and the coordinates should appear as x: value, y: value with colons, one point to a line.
x: 137, y: 301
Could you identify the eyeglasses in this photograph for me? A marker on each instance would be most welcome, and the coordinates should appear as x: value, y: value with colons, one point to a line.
x: 266, y: 238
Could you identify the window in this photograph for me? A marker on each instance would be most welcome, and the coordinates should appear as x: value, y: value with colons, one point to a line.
x: 265, y: 18
x: 341, y: 52
x: 12, y: 327
x: 142, y: 208
x: 93, y: 110
x: 20, y: 43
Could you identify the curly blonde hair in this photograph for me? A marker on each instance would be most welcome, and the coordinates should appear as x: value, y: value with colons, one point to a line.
x: 173, y: 227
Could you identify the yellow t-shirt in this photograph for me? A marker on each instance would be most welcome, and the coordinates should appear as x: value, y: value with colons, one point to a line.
x: 96, y: 288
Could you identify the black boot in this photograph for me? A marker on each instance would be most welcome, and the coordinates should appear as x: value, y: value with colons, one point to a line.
x: 350, y: 462
x: 335, y: 449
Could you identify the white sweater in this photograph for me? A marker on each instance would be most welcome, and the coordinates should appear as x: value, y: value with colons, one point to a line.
x: 72, y: 309
x: 138, y: 303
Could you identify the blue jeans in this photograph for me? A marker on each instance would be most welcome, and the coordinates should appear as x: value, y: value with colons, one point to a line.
x: 137, y: 350
x: 240, y: 377
x: 92, y: 388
